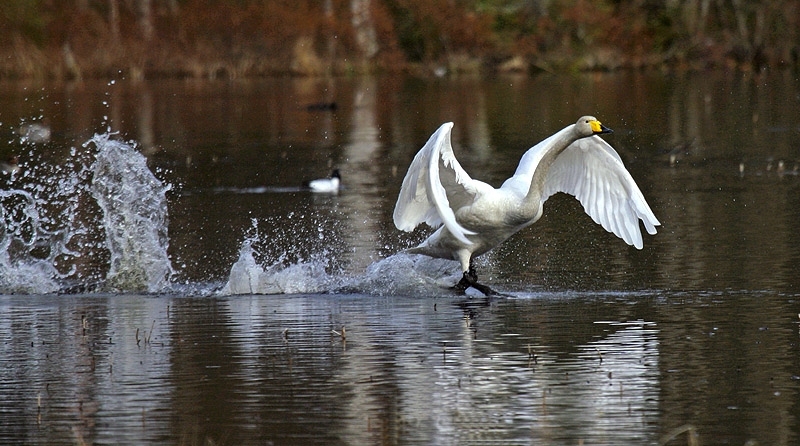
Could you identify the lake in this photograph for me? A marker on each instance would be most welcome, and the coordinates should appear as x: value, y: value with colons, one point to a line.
x: 165, y: 280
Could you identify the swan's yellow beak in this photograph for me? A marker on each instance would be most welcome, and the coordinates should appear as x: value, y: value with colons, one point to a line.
x: 598, y: 128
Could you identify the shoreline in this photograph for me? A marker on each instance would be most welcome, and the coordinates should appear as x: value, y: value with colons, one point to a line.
x: 51, y: 65
x: 23, y: 60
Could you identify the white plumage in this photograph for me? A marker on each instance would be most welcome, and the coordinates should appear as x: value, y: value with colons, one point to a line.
x: 474, y: 217
x: 325, y: 185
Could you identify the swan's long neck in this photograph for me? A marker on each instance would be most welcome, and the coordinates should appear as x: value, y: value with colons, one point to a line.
x: 557, y: 144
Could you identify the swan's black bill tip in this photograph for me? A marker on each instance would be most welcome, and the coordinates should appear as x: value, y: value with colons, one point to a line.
x: 604, y: 129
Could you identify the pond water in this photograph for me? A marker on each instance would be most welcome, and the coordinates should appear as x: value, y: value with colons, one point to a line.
x: 164, y: 279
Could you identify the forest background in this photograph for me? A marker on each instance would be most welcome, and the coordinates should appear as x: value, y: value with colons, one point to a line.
x: 69, y: 39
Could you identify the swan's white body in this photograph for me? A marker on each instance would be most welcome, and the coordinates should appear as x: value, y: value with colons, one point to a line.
x: 475, y: 217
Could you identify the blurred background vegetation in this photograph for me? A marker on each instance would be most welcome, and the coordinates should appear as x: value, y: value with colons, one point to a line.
x: 68, y: 39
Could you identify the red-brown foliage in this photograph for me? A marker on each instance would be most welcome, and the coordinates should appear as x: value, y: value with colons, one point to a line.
x: 261, y: 37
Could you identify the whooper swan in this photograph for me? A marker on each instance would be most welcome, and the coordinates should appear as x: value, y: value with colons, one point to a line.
x: 474, y: 217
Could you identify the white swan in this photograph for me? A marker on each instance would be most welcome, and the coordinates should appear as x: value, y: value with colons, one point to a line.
x: 325, y: 185
x: 475, y: 217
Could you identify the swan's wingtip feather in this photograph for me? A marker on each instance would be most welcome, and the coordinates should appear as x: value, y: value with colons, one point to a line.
x: 404, y: 226
x: 446, y: 128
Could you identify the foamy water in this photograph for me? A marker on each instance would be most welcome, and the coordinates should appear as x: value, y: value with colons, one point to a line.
x: 21, y: 272
x: 32, y: 247
x: 248, y: 276
x: 400, y: 274
x: 290, y: 272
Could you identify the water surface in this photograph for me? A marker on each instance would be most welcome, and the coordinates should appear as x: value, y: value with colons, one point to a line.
x: 596, y: 342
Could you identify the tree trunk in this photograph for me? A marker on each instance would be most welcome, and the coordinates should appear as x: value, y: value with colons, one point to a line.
x: 113, y: 19
x: 146, y: 19
x: 366, y: 37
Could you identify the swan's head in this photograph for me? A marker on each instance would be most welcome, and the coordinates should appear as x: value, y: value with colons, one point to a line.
x: 589, y: 125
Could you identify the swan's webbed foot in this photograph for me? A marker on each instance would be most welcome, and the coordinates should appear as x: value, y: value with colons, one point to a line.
x: 470, y: 279
x: 463, y: 284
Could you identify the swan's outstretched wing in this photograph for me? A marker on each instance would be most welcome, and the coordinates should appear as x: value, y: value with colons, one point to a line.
x: 592, y: 171
x: 435, y: 185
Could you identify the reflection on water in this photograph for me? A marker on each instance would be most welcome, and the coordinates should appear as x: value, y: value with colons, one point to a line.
x: 548, y: 368
x: 249, y: 370
x: 600, y: 343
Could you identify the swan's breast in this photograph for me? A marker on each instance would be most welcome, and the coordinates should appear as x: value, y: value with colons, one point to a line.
x: 490, y: 210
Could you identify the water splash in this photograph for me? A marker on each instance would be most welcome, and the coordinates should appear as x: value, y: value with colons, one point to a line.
x: 249, y: 277
x: 100, y: 206
x: 404, y: 274
x: 20, y: 229
x: 97, y: 221
x: 135, y: 219
x: 287, y: 273
x: 281, y: 276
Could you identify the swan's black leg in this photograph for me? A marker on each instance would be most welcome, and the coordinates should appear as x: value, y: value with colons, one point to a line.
x: 464, y: 283
x: 470, y: 279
